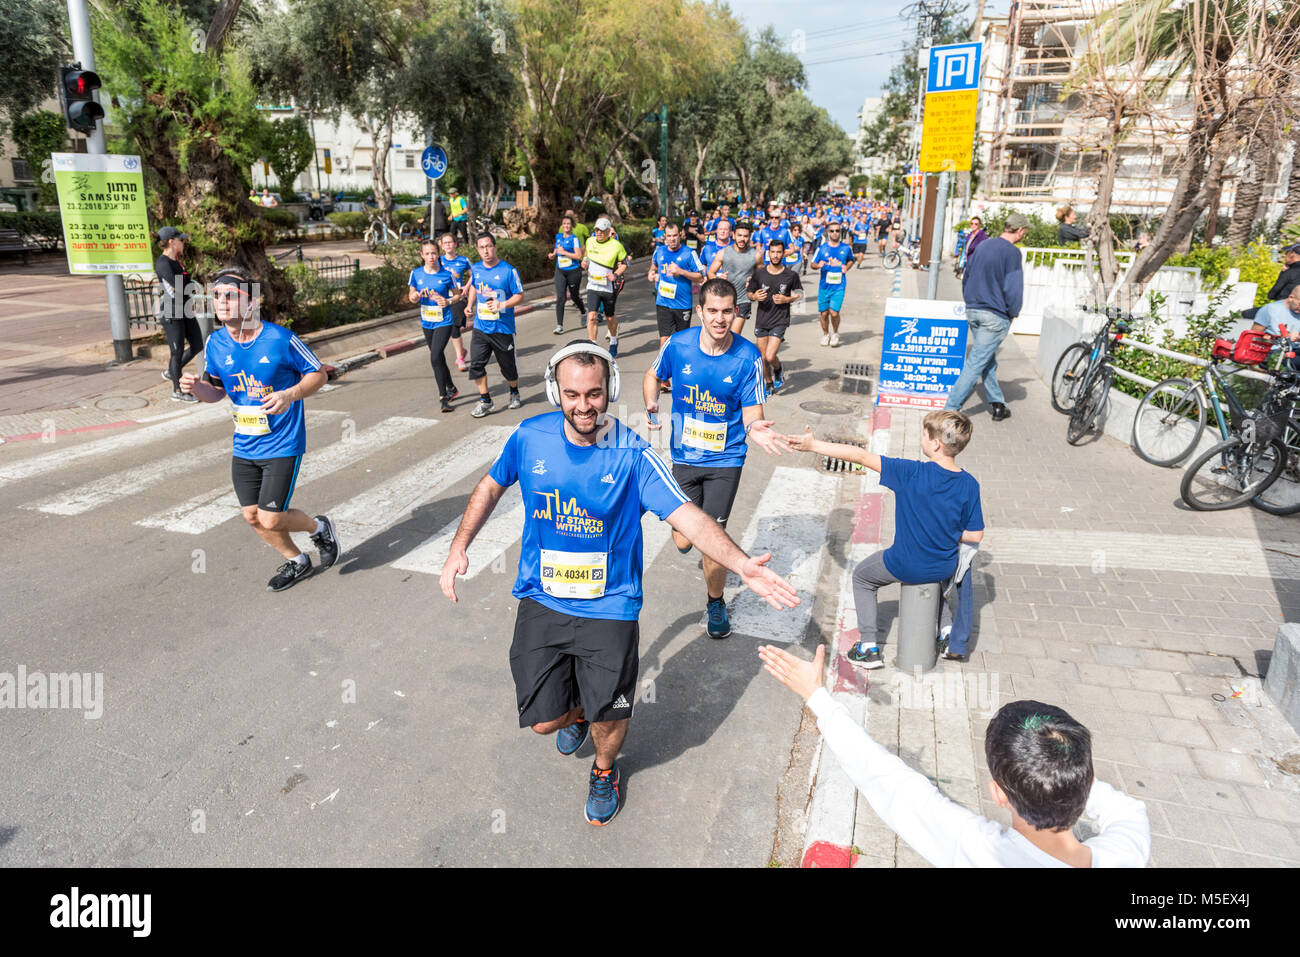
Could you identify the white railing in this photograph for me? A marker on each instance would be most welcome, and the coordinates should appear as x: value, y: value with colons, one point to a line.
x: 1182, y: 357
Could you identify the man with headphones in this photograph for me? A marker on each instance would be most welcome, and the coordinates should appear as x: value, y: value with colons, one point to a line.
x: 266, y: 371
x: 586, y: 480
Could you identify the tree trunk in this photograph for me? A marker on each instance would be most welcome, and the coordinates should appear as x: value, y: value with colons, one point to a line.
x: 1246, y: 207
x: 381, y: 139
x: 1212, y: 217
x: 1291, y: 211
x: 701, y: 156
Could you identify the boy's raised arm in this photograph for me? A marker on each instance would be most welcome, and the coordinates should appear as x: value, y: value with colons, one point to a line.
x: 850, y: 453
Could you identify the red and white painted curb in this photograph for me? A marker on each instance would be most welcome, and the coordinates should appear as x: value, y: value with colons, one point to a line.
x: 828, y: 840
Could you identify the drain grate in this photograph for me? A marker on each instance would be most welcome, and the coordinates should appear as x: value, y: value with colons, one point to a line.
x: 856, y: 378
x: 831, y: 464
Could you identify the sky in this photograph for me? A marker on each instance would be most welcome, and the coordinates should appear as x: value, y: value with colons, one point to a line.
x: 848, y: 46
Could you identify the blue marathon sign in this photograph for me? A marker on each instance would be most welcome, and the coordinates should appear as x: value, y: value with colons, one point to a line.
x: 434, y: 161
x: 922, y: 354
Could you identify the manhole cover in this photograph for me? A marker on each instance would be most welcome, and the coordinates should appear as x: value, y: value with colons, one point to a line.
x: 121, y: 403
x: 829, y: 408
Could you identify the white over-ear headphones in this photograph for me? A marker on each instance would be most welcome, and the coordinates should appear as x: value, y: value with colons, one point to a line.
x: 612, y: 383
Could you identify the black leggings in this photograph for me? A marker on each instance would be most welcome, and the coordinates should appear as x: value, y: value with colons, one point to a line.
x: 567, y: 282
x: 178, y: 331
x: 437, y: 342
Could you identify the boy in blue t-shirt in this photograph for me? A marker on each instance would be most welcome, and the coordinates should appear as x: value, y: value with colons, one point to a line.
x: 936, y: 510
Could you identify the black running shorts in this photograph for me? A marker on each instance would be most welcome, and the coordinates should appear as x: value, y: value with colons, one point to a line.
x: 266, y: 483
x: 602, y: 302
x: 762, y: 329
x: 712, y: 489
x: 672, y: 320
x: 484, y: 346
x: 560, y: 662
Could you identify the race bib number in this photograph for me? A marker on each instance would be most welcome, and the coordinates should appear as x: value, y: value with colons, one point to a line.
x: 573, y: 574
x: 430, y: 312
x: 598, y: 278
x: 565, y: 262
x: 692, y: 243
x: 668, y: 288
x: 705, y: 436
x: 250, y: 420
x: 485, y: 314
x: 834, y: 278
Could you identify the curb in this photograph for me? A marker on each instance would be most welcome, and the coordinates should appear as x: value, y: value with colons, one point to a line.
x: 828, y: 840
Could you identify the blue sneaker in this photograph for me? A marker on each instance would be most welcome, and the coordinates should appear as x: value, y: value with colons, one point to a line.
x: 719, y: 623
x: 602, y: 796
x: 868, y: 656
x: 568, y: 740
x: 777, y: 383
x: 613, y: 348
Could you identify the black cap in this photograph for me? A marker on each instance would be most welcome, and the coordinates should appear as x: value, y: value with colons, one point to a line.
x: 1294, y: 248
x: 168, y: 233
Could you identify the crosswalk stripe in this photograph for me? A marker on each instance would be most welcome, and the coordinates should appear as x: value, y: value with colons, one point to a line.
x: 795, y: 532
x: 128, y: 482
x: 497, y: 536
x: 112, y: 444
x: 368, y: 514
x: 208, y: 510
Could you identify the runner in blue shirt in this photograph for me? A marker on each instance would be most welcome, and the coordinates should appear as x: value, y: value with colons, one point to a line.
x: 834, y: 258
x: 717, y: 405
x: 434, y: 288
x: 495, y: 289
x: 860, y: 230
x: 794, y: 256
x: 459, y: 268
x: 266, y: 371
x: 586, y: 480
x: 568, y: 271
x: 717, y: 244
x: 672, y: 270
x: 774, y: 228
x: 658, y: 232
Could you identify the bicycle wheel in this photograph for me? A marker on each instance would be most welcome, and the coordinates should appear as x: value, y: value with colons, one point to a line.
x: 1231, y: 474
x: 1169, y: 422
x: 893, y: 259
x: 1067, y: 376
x: 372, y: 239
x: 1088, y: 405
x: 1283, y: 496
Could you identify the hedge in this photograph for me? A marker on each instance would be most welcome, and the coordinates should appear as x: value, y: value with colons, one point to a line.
x: 37, y: 227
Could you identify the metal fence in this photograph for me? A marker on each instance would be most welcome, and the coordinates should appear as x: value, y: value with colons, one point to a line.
x: 142, y: 294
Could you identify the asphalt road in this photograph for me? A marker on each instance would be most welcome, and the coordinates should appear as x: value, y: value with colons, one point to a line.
x: 360, y: 718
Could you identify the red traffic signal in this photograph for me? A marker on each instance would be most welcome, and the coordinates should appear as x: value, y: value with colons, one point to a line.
x: 79, y: 106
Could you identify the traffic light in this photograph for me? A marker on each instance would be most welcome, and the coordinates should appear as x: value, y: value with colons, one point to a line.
x: 79, y: 106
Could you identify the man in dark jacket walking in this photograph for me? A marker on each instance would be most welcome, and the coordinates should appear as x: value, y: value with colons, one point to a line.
x: 993, y: 289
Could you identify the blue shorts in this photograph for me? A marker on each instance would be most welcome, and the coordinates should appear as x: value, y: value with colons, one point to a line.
x: 830, y: 298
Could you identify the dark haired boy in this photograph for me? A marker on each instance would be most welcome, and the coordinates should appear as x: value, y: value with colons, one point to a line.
x: 1040, y: 761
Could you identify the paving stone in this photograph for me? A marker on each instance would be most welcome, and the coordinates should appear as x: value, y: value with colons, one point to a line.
x: 1265, y: 837
x: 1197, y: 824
x: 1166, y: 590
x: 1045, y: 690
x: 1107, y: 675
x: 1010, y: 664
x: 1241, y: 740
x: 1055, y: 669
x: 1098, y: 616
x: 1228, y: 858
x: 1019, y: 645
x: 1146, y: 702
x: 1147, y: 784
x: 1165, y: 660
x: 1117, y: 656
x: 1275, y: 805
x: 1159, y: 754
x: 1114, y: 748
x: 1148, y: 679
x: 1219, y: 796
x: 1060, y: 613
x: 1016, y: 611
x: 909, y: 858
x: 1224, y: 766
x: 1194, y: 708
x: 1171, y: 852
x: 1141, y: 619
x: 1180, y: 731
x: 1092, y: 697
x: 1187, y: 643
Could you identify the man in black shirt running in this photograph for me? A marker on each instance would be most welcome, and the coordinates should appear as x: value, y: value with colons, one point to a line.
x: 773, y: 288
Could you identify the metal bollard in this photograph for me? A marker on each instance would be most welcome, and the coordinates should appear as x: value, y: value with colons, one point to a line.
x: 918, y: 626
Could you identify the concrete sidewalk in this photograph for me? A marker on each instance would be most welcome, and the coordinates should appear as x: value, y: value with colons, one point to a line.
x: 1097, y: 591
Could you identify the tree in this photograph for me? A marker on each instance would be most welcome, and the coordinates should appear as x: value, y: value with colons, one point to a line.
x: 289, y: 149
x: 33, y: 45
x: 187, y: 106
x: 37, y: 135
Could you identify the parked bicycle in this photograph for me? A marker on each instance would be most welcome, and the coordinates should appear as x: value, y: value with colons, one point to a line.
x: 1083, y: 374
x: 1244, y: 466
x: 378, y: 233
x: 485, y: 225
x: 911, y: 248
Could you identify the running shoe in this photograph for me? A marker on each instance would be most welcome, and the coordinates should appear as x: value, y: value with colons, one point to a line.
x: 460, y: 363
x: 826, y: 339
x: 179, y: 396
x: 447, y: 406
x: 860, y: 654
x: 484, y: 407
x: 327, y: 542
x: 167, y: 374
x: 559, y: 329
x: 515, y: 401
x: 452, y: 394
x: 835, y: 339
x: 289, y: 574
x: 568, y: 740
x: 613, y: 348
x: 719, y: 623
x: 602, y: 795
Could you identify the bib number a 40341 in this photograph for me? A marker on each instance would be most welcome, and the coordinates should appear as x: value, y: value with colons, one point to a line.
x: 573, y: 574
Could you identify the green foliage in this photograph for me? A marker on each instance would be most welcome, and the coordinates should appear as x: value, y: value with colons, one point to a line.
x: 33, y: 45
x: 287, y: 146
x: 280, y: 218
x: 377, y: 292
x: 402, y: 254
x: 368, y: 294
x: 1255, y: 263
x: 1213, y: 262
x: 526, y: 255
x: 354, y: 223
x: 36, y: 227
x: 637, y: 240
x: 37, y: 135
x: 1154, y: 331
x: 1042, y: 232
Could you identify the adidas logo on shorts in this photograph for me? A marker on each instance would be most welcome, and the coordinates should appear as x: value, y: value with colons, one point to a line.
x: 620, y: 703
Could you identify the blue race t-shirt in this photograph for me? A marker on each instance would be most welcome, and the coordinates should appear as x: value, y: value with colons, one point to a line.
x: 767, y: 234
x: 861, y: 231
x: 659, y: 236
x: 581, y: 552
x: 711, y: 249
x: 932, y: 507
x: 441, y: 282
x: 503, y: 281
x: 674, y: 292
x: 573, y: 246
x: 834, y: 259
x: 710, y: 394
x: 275, y: 360
x: 459, y: 268
x: 794, y: 256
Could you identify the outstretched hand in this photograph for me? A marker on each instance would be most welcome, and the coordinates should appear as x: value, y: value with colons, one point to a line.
x: 801, y: 443
x: 767, y: 584
x: 801, y: 677
x: 766, y: 439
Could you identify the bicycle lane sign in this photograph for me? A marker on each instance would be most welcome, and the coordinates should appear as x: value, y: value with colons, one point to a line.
x: 434, y: 161
x: 923, y: 352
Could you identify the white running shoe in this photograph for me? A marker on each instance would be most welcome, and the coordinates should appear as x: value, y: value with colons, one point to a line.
x: 835, y: 339
x: 826, y: 339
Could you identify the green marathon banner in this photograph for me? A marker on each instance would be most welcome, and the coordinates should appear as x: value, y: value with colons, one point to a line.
x: 105, y: 225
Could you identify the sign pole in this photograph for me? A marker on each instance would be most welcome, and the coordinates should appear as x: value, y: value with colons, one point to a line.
x: 936, y: 238
x: 84, y: 52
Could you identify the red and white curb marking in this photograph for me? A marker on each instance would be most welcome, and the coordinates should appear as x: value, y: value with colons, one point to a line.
x: 828, y: 841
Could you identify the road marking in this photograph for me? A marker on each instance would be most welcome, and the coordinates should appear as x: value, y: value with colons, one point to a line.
x: 498, y: 535
x: 119, y: 485
x: 204, y: 512
x: 113, y: 444
x: 790, y: 523
x: 366, y: 515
